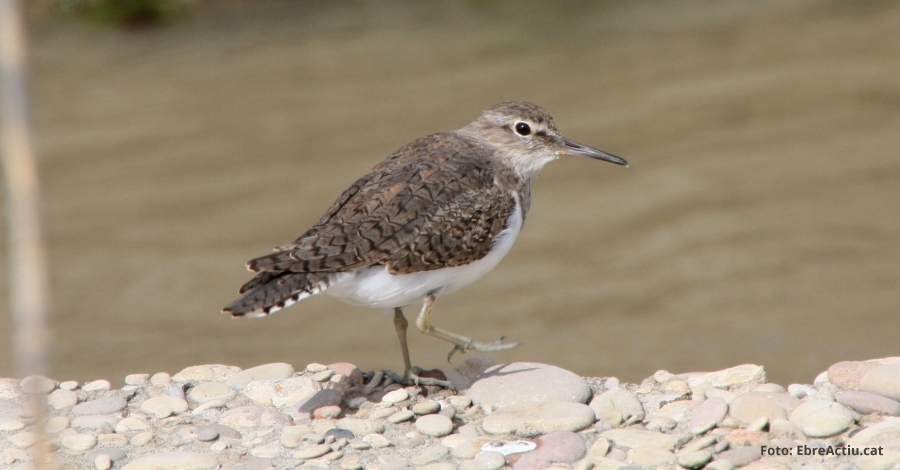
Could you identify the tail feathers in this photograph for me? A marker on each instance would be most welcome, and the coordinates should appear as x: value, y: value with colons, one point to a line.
x: 269, y: 292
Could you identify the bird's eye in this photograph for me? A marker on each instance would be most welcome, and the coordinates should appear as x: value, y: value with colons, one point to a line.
x: 522, y: 128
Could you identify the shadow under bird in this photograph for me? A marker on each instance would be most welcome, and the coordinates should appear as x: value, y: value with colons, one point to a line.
x: 434, y: 216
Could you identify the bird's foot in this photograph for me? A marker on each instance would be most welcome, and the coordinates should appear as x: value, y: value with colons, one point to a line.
x: 411, y: 377
x: 467, y: 344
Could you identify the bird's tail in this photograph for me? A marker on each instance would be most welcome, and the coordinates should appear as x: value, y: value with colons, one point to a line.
x: 269, y: 292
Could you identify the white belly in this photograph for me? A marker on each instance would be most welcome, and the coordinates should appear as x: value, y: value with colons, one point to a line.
x: 375, y: 287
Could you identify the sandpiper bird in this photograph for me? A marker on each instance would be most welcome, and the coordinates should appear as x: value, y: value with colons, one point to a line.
x: 434, y: 216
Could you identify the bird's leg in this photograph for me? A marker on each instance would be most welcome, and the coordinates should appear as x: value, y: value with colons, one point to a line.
x: 460, y: 343
x: 410, y: 374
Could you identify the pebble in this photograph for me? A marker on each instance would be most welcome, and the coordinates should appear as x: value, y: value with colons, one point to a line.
x: 207, y: 433
x: 885, y: 433
x: 631, y: 438
x: 23, y: 439
x: 868, y: 403
x: 694, y: 459
x: 709, y: 414
x: 208, y: 391
x: 267, y: 451
x: 821, y: 418
x: 205, y: 373
x: 598, y: 449
x: 487, y: 461
x: 129, y: 425
x: 137, y: 379
x: 267, y: 372
x: 36, y: 384
x: 749, y: 407
x: 346, y: 369
x: 141, y: 438
x: 847, y: 374
x: 462, y: 376
x: 401, y: 416
x: 174, y: 460
x: 78, y: 442
x: 650, y: 456
x: 326, y: 397
x: 102, y: 462
x: 353, y: 463
x: 339, y: 434
x: 732, y: 378
x: 62, y: 399
x: 283, y: 393
x: 312, y: 452
x: 430, y: 453
x: 96, y: 386
x: 395, y: 396
x: 529, y: 419
x: 112, y: 439
x: 99, y: 406
x: 164, y: 406
x: 434, y: 425
x: 360, y: 427
x: 560, y: 446
x: 56, y: 424
x: 741, y: 456
x: 115, y: 454
x: 160, y: 379
x: 68, y: 385
x: 616, y: 406
x: 533, y: 382
x: 327, y: 412
x: 883, y: 380
x: 426, y: 407
x: 377, y: 441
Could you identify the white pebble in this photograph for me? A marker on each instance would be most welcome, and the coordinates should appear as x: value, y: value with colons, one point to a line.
x: 102, y: 462
x: 78, y: 441
x: 160, y: 378
x: 96, y: 386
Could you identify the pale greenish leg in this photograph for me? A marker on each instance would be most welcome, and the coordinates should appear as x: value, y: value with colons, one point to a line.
x: 410, y: 376
x: 460, y: 343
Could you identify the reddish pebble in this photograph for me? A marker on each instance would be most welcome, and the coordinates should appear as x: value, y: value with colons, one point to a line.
x: 743, y: 437
x: 559, y: 446
x: 848, y: 374
x: 348, y: 370
x: 327, y: 412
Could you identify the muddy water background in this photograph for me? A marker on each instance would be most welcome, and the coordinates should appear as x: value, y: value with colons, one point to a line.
x: 759, y: 220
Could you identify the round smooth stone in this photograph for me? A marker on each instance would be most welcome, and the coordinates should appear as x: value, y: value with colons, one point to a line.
x: 78, y: 441
x: 100, y: 406
x: 537, y: 418
x: 426, y: 407
x: 96, y: 386
x: 208, y: 391
x: 868, y: 403
x: 160, y: 379
x: 709, y: 414
x: 267, y: 372
x: 23, y: 439
x: 313, y: 452
x: 206, y: 373
x: 327, y: 412
x: 339, y: 434
x: 130, y: 425
x: 401, y: 416
x: 740, y: 456
x: 821, y: 418
x: 56, y: 424
x: 360, y: 427
x: 164, y: 406
x: 599, y: 449
x: 172, y: 460
x: 137, y: 379
x: 141, y: 438
x: 395, y: 396
x: 883, y: 380
x: 36, y: 384
x: 508, y: 384
x: 731, y: 378
x: 62, y: 399
x: 353, y: 374
x: 695, y: 459
x: 112, y: 440
x: 434, y: 425
x: 617, y: 405
x: 431, y: 453
x: 267, y: 451
x: 102, y: 462
x: 489, y: 460
x: 650, y: 456
x: 847, y: 374
x: 462, y: 376
x: 98, y: 422
x: 560, y: 446
x: 207, y: 433
x: 115, y: 454
x: 751, y: 406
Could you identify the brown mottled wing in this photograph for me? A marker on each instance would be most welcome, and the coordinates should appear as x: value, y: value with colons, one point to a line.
x: 431, y: 204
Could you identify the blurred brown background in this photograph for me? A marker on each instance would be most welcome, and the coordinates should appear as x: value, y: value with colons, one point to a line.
x: 758, y: 223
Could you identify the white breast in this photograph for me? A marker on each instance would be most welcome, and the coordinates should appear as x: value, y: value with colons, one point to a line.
x: 375, y: 287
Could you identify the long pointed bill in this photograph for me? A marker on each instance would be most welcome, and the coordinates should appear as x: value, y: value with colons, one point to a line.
x: 576, y: 149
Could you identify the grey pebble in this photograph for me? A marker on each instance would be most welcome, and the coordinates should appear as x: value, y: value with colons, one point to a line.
x: 401, y: 416
x: 695, y: 459
x: 100, y: 406
x: 102, y: 422
x: 821, y: 418
x: 115, y: 453
x: 426, y: 407
x: 325, y: 397
x: 434, y: 425
x: 741, y: 456
x: 207, y: 433
x: 360, y: 427
x: 36, y: 384
x: 430, y: 453
x: 709, y: 414
x: 312, y: 452
x: 339, y: 434
x: 866, y: 403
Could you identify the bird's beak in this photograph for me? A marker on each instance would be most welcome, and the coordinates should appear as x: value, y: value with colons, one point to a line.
x: 578, y: 150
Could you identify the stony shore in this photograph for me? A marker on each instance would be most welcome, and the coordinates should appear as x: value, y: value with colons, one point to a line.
x: 520, y: 415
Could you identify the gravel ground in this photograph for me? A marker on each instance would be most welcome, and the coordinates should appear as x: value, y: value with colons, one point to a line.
x: 519, y: 415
